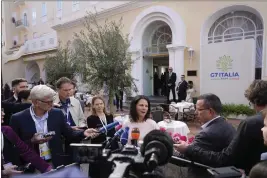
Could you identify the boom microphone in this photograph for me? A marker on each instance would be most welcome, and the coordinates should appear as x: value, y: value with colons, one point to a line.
x: 108, y: 127
x: 124, y: 136
x: 116, y: 136
x: 157, y: 148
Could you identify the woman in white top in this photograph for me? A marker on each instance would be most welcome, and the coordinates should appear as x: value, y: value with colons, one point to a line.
x: 190, y: 92
x: 140, y: 117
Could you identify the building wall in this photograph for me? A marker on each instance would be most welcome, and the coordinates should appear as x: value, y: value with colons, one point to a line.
x: 193, y: 13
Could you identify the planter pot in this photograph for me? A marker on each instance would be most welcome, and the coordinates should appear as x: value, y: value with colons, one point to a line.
x: 234, y: 116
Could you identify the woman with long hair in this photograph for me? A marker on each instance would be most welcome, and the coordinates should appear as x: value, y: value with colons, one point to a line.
x: 99, y: 118
x: 140, y: 117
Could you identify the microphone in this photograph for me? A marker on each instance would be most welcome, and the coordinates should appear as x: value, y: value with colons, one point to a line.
x: 116, y: 136
x: 118, y: 127
x: 135, y: 134
x: 157, y: 149
x: 108, y: 127
x: 124, y: 136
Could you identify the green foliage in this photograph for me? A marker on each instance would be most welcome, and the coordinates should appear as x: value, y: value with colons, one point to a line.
x: 102, y: 52
x: 61, y: 64
x: 237, y: 109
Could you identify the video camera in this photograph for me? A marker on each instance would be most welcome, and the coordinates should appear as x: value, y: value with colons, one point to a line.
x: 130, y: 161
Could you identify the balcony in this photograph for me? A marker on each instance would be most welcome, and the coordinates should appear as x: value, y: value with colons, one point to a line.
x: 43, y: 43
x: 22, y: 24
x: 19, y: 2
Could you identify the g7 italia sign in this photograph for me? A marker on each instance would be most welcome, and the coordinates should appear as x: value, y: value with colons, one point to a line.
x: 224, y: 71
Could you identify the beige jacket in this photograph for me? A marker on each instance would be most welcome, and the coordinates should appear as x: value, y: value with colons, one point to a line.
x: 75, y: 111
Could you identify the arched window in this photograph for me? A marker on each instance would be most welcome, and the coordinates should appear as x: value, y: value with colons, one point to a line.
x: 160, y: 39
x: 238, y: 25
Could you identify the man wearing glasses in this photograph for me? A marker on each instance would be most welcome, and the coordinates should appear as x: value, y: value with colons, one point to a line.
x: 216, y: 133
x: 41, y: 118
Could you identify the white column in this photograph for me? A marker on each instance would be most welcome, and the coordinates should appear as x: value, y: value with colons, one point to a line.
x: 137, y: 71
x: 176, y: 61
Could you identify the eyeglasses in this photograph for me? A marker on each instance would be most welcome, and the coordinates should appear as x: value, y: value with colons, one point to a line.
x: 202, y: 109
x: 46, y: 102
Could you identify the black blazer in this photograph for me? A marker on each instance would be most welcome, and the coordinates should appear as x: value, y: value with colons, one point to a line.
x: 182, y: 87
x: 171, y: 80
x: 215, y: 137
x: 8, y: 112
x: 244, y: 150
x: 23, y: 124
x: 94, y: 122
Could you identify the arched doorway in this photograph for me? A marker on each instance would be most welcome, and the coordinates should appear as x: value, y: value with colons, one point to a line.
x: 142, y: 44
x: 156, y: 56
x: 32, y: 72
x: 235, y: 36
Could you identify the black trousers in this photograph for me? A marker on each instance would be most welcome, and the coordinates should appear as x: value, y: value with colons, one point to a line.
x: 181, y: 97
x: 118, y: 102
x: 173, y: 93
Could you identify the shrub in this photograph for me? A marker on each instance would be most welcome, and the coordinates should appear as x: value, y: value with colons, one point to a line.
x: 237, y: 109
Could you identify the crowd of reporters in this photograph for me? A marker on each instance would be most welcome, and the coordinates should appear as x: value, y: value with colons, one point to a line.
x: 40, y: 110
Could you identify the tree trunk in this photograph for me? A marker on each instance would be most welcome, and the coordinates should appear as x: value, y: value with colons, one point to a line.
x: 111, y: 105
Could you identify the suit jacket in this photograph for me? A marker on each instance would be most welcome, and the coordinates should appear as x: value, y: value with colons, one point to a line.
x: 244, y: 150
x: 216, y: 136
x: 94, y: 122
x: 14, y: 107
x: 75, y: 111
x: 182, y: 87
x: 23, y: 124
x: 171, y: 79
x: 11, y: 138
x: 8, y: 113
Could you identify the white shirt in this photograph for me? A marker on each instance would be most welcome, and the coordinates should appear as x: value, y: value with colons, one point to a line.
x: 144, y: 127
x: 207, y: 123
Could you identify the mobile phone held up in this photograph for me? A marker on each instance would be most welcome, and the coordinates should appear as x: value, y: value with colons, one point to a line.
x: 49, y: 134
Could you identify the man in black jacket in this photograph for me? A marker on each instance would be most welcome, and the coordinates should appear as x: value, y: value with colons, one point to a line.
x: 170, y: 80
x: 247, y: 146
x: 18, y: 85
x: 216, y: 133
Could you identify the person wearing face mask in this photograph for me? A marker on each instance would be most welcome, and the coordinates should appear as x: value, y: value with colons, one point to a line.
x: 99, y: 118
x: 140, y: 117
x: 9, y: 139
x: 247, y: 146
x: 23, y: 103
x: 18, y: 84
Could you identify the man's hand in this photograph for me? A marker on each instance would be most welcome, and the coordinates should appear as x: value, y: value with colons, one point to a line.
x: 91, y: 133
x: 38, y: 139
x: 11, y: 170
x: 76, y: 128
x: 181, y: 146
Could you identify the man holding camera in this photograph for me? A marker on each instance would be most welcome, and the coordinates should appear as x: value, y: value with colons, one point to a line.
x: 33, y: 124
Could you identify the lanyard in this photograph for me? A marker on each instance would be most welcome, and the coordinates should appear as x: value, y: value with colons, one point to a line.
x: 2, y: 142
x: 104, y: 123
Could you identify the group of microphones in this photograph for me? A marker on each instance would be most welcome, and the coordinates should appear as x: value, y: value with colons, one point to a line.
x: 121, y: 134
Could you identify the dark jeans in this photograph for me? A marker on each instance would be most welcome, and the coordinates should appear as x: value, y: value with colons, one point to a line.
x: 173, y: 93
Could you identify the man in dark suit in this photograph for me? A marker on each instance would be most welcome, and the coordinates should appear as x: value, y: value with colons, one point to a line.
x: 181, y: 89
x: 216, y: 133
x: 18, y: 85
x: 248, y: 144
x: 170, y: 80
x: 41, y: 118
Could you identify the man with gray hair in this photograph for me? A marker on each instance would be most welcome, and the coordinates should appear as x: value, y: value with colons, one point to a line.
x: 31, y: 125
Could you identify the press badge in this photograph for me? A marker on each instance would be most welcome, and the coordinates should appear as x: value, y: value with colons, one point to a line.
x: 45, y: 152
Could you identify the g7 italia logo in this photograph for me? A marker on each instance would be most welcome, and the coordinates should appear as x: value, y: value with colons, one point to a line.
x: 224, y: 71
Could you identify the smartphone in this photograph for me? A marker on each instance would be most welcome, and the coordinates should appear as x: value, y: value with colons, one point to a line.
x: 49, y: 134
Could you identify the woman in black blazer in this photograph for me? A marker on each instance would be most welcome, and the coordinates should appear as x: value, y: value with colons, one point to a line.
x: 98, y: 119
